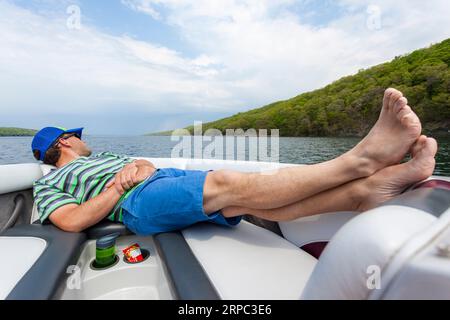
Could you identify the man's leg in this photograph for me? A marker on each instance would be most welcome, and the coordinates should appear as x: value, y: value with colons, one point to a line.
x: 359, y: 195
x: 386, y: 144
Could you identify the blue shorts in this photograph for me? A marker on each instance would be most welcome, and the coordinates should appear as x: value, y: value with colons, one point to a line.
x: 169, y: 200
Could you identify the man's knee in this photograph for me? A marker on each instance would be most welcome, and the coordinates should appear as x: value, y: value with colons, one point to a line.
x: 223, y: 180
x: 222, y: 186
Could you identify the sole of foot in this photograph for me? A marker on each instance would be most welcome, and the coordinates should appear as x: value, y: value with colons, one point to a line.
x: 392, y: 181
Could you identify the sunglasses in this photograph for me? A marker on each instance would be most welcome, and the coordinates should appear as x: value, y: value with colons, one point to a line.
x: 68, y: 136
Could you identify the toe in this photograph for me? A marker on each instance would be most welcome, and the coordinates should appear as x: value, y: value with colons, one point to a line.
x: 402, y: 102
x: 410, y: 121
x: 423, y: 162
x: 405, y: 111
x: 395, y: 96
x: 387, y: 96
x: 431, y: 146
x: 425, y: 148
x: 418, y: 145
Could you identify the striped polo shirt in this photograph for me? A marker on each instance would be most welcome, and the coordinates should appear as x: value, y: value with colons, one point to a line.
x: 77, y: 182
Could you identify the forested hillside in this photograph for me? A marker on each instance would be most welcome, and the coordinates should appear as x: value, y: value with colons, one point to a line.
x: 350, y: 105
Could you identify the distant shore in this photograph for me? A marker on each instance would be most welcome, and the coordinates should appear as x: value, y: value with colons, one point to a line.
x: 16, y: 132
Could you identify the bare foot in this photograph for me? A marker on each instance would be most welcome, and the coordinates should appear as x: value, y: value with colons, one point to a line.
x: 392, y: 181
x: 397, y: 128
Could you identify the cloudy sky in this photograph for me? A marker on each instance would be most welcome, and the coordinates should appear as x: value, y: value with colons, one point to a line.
x: 136, y: 66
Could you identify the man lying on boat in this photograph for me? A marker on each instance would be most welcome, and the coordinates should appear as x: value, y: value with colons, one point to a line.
x: 86, y: 189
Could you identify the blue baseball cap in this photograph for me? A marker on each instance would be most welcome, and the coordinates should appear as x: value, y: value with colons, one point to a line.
x: 44, y: 139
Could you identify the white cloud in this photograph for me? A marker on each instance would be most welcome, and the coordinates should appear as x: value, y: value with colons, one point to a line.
x: 142, y: 6
x: 267, y: 53
x: 252, y: 52
x: 45, y: 67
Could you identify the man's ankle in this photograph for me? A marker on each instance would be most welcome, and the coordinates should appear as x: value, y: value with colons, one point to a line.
x: 359, y: 194
x: 361, y: 167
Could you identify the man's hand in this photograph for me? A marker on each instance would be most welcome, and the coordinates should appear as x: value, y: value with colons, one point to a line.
x: 131, y: 175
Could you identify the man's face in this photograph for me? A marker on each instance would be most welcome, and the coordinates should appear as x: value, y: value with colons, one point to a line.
x: 78, y: 145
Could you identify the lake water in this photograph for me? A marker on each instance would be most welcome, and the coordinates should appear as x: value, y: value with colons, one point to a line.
x: 292, y: 150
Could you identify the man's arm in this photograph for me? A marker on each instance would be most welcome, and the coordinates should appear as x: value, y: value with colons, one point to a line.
x: 76, y: 218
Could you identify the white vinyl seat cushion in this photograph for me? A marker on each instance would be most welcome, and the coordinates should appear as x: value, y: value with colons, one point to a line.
x: 243, y: 166
x: 213, y: 164
x: 18, y: 256
x: 363, y: 247
x: 317, y: 228
x: 16, y: 177
x: 249, y: 262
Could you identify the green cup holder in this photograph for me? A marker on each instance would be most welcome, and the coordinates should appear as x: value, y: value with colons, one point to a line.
x: 145, y: 255
x: 95, y: 267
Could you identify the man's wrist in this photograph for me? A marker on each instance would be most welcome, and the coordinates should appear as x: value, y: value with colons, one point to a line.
x: 113, y: 193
